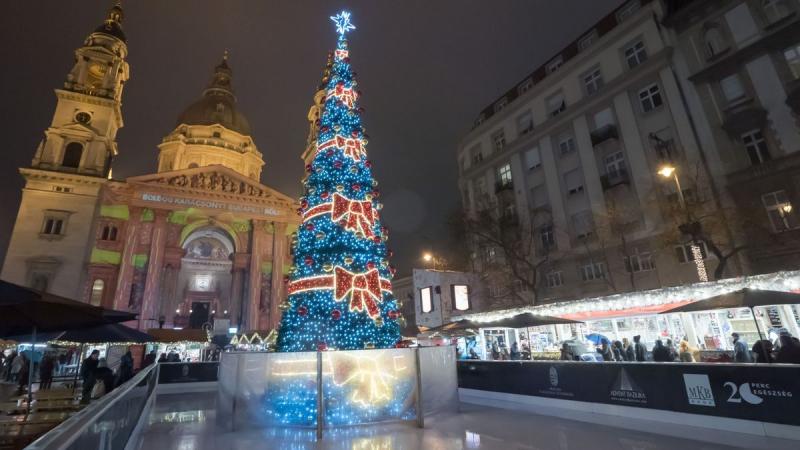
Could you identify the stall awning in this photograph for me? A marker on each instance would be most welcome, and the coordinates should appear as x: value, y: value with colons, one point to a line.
x: 627, y: 312
x: 168, y: 335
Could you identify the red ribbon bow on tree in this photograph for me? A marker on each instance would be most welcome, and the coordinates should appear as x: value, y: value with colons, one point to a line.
x: 352, y: 148
x: 345, y: 95
x: 358, y: 215
x: 364, y: 289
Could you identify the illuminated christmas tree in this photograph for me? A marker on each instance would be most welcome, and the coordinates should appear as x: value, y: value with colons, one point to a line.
x: 339, y: 287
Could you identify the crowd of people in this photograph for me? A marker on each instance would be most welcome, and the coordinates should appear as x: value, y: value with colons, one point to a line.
x: 786, y: 350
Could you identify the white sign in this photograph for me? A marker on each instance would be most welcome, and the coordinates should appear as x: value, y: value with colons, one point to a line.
x: 698, y: 389
x: 193, y: 202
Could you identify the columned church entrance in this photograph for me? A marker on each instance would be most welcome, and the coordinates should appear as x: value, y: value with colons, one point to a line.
x: 204, y: 280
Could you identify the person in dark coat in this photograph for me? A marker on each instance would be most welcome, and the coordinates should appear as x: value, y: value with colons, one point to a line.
x: 639, y: 350
x: 741, y: 352
x: 88, y: 375
x: 566, y: 353
x: 149, y: 358
x: 789, y: 352
x: 162, y: 358
x: 515, y: 351
x: 605, y: 351
x: 46, y: 368
x: 762, y: 351
x: 618, y: 351
x: 629, y: 354
x: 24, y: 371
x: 125, y: 367
x: 661, y: 352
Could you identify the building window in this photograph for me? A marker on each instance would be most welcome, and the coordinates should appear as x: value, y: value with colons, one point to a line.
x: 460, y: 297
x: 650, y: 98
x: 502, y: 103
x: 53, y: 225
x: 504, y: 175
x: 63, y: 189
x: 499, y: 140
x: 426, y: 299
x: 792, y: 55
x: 525, y: 86
x: 480, y: 187
x: 72, y: 155
x: 489, y: 255
x: 603, y: 118
x: 586, y: 41
x: 756, y: 147
x: 40, y: 282
x: 593, y: 81
x: 714, y: 42
x: 533, y: 159
x: 555, y: 64
x: 525, y: 123
x: 556, y: 104
x: 635, y: 54
x: 732, y: 88
x: 539, y: 196
x: 97, y: 293
x: 615, y: 166
x: 591, y: 271
x: 547, y: 237
x: 628, y: 10
x: 573, y: 181
x: 639, y: 262
x: 477, y: 154
x: 685, y: 255
x: 781, y: 213
x: 583, y: 224
x: 775, y: 10
x: 217, y: 134
x: 554, y: 279
x: 566, y: 144
x: 109, y: 233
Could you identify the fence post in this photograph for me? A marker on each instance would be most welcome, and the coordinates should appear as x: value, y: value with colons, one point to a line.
x: 320, y: 403
x: 420, y: 412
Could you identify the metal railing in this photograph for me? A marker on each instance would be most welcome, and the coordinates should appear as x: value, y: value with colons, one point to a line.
x: 107, y: 423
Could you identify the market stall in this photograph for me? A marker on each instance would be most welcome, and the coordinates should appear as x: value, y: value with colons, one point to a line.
x: 184, y: 344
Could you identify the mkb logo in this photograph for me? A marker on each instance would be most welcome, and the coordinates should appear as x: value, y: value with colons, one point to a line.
x: 698, y: 389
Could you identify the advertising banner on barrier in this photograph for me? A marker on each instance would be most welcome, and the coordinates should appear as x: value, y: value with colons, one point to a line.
x: 767, y: 393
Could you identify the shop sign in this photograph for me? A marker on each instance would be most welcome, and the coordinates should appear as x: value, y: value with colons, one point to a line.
x: 626, y: 390
x: 698, y: 389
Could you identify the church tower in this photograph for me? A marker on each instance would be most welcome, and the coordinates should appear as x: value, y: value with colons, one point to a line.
x: 49, y: 245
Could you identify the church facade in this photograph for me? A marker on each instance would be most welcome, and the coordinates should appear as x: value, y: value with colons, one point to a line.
x: 200, y: 240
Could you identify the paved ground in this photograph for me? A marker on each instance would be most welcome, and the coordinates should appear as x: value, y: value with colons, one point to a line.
x: 187, y: 422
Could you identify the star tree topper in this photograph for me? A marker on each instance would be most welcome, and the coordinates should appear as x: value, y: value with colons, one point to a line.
x: 343, y: 24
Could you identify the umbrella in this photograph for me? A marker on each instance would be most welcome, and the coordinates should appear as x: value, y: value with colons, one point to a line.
x: 109, y: 333
x: 743, y: 298
x: 25, y: 310
x: 596, y: 338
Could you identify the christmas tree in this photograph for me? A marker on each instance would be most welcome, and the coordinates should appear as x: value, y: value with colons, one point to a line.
x: 339, y: 286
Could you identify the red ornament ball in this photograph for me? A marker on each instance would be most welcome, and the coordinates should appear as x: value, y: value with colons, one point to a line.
x: 325, y: 195
x: 376, y: 239
x: 322, y: 347
x: 286, y: 279
x: 393, y: 314
x: 329, y: 153
x: 355, y: 133
x: 370, y: 265
x: 304, y: 204
x: 336, y: 314
x: 392, y: 270
x: 310, y: 226
x: 302, y: 311
x: 390, y: 253
x: 368, y: 163
x: 324, y: 129
x: 356, y: 187
x: 376, y: 193
x: 308, y: 260
x: 309, y: 167
x: 337, y: 164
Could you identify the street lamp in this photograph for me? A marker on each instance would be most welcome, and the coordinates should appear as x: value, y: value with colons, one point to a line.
x: 429, y: 258
x: 668, y: 171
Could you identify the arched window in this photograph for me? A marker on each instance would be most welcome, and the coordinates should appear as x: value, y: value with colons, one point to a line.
x: 72, y: 155
x: 97, y: 293
x: 714, y: 42
x: 109, y: 233
x: 774, y: 10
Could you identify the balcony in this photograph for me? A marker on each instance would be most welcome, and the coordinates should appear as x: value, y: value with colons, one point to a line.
x: 611, y: 181
x: 603, y: 134
x: 501, y: 186
x: 744, y: 116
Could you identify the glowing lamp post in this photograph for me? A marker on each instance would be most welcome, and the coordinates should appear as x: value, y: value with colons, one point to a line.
x: 668, y: 171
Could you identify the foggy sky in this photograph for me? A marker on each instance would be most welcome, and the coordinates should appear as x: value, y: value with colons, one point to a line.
x: 426, y: 69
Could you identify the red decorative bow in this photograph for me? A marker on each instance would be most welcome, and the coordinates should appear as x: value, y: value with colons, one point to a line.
x: 358, y: 215
x: 345, y: 95
x: 342, y: 54
x: 364, y: 289
x: 352, y: 148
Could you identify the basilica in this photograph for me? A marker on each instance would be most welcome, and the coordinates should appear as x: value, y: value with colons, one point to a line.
x: 201, y: 241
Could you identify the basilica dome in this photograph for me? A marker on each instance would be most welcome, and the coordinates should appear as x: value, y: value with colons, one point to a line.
x: 217, y: 105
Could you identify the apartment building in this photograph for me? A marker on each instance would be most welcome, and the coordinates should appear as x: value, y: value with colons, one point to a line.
x: 571, y: 153
x: 738, y: 62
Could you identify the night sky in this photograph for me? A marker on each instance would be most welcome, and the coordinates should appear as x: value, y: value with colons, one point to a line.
x: 426, y: 68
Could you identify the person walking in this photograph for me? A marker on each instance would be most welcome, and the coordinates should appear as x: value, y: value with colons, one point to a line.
x: 162, y: 358
x: 605, y: 351
x: 46, y: 368
x: 566, y: 353
x: 685, y: 352
x: 89, y: 376
x: 673, y: 354
x: 762, y: 351
x: 789, y: 351
x: 125, y: 368
x: 514, y: 352
x: 661, y: 352
x: 13, y: 367
x: 639, y: 349
x: 628, y: 348
x: 618, y: 351
x: 741, y: 353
